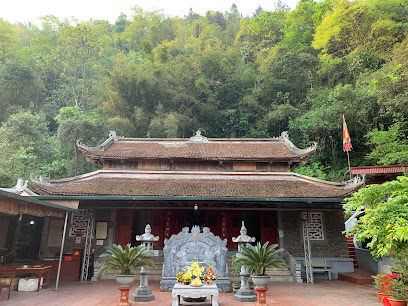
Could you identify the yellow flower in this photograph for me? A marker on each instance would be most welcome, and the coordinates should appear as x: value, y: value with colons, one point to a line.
x: 187, y: 276
x: 197, y: 272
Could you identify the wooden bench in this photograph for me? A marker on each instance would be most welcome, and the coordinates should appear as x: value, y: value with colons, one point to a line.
x: 7, y: 275
x: 322, y: 266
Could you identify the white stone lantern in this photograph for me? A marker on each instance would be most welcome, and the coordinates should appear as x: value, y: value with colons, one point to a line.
x: 243, y: 238
x: 147, y: 239
x: 244, y: 293
x: 143, y: 293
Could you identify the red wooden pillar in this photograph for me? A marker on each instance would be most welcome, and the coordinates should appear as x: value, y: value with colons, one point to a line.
x: 223, y: 224
x: 167, y: 232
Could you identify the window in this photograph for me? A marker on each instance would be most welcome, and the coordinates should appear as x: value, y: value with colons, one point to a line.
x: 315, y: 225
x: 79, y: 221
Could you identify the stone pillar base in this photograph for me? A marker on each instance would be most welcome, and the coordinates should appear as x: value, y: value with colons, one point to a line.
x: 245, y: 296
x: 124, y: 296
x: 95, y: 278
x: 142, y: 294
x: 261, y: 292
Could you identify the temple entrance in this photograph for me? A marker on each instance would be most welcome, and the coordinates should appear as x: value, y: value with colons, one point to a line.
x: 260, y: 224
x: 140, y: 218
x: 196, y: 217
x: 201, y: 218
x: 251, y: 219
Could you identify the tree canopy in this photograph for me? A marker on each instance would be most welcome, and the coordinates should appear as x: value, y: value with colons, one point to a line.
x: 151, y: 75
x: 385, y: 220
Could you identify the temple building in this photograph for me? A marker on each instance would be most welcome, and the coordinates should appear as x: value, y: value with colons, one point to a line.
x: 215, y: 183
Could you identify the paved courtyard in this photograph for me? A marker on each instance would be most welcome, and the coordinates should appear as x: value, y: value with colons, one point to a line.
x: 323, y: 292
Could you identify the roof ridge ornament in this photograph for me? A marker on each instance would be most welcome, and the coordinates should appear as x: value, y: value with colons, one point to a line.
x: 284, y: 137
x: 113, y: 137
x: 112, y: 134
x: 198, y: 138
x: 21, y: 184
x: 359, y: 179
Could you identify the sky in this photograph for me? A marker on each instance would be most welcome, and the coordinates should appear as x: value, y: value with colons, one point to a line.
x: 31, y: 10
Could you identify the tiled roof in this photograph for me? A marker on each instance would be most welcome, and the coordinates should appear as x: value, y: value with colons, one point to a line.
x: 273, y: 149
x: 379, y: 169
x: 187, y: 184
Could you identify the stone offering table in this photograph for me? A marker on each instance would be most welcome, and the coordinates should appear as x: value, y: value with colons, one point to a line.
x: 203, y: 247
x: 180, y: 290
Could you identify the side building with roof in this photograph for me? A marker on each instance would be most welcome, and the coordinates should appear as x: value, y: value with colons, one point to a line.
x: 216, y: 183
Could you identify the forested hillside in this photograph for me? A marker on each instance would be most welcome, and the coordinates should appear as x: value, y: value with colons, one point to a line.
x: 149, y: 75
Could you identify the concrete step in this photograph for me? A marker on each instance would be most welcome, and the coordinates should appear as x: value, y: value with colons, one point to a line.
x: 279, y: 278
x: 359, y: 277
x: 282, y: 278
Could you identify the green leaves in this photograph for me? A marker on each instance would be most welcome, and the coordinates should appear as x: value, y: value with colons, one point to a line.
x: 25, y: 146
x: 385, y: 219
x: 125, y: 259
x: 258, y: 258
x: 229, y: 75
x: 389, y: 146
x: 8, y: 40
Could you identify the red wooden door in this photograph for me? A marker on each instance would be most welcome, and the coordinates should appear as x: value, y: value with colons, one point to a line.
x: 124, y: 220
x: 268, y: 227
x: 178, y: 221
x: 158, y: 222
x: 212, y: 220
x: 233, y: 227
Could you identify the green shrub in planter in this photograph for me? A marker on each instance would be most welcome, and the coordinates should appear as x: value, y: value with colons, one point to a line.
x: 258, y: 258
x: 125, y: 259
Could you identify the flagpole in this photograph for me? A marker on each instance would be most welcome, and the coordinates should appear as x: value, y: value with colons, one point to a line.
x: 346, y: 143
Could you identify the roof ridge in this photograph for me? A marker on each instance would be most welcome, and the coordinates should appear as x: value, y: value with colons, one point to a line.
x: 214, y: 175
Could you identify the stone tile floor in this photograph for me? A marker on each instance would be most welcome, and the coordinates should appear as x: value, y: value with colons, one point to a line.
x: 323, y: 292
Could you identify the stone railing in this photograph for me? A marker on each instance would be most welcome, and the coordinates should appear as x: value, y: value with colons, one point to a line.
x: 294, y: 266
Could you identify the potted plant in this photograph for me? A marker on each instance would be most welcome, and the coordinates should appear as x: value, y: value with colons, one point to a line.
x: 382, y: 284
x: 400, y: 267
x: 398, y: 297
x: 258, y: 258
x: 125, y: 259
